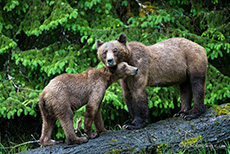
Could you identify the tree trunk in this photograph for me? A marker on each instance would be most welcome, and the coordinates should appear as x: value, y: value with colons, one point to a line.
x: 208, y: 132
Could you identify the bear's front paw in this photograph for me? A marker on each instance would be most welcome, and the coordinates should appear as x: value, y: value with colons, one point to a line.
x: 188, y: 117
x: 176, y: 115
x: 192, y: 114
x: 184, y: 115
x: 181, y: 113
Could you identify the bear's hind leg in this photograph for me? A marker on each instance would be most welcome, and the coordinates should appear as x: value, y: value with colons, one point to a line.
x: 47, y: 127
x: 66, y: 119
x: 198, y: 90
x: 185, y: 97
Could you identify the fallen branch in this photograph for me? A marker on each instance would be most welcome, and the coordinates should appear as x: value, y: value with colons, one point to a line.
x: 78, y: 125
x: 13, y: 147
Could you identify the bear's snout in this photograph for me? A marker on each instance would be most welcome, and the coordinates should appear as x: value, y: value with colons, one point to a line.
x: 135, y: 70
x: 110, y: 62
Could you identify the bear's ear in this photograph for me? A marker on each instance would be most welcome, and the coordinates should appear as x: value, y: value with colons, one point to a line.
x: 122, y: 39
x: 99, y: 43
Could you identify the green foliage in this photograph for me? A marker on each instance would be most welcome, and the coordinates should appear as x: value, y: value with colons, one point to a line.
x: 77, y: 114
x: 15, y: 99
x: 6, y: 44
x: 112, y: 103
x: 162, y: 99
x: 10, y: 5
x: 60, y: 12
x: 42, y: 39
x: 217, y: 86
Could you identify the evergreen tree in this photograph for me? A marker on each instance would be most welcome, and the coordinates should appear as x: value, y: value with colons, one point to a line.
x: 42, y: 39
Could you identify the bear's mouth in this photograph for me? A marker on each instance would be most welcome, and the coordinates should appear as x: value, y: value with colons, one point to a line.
x: 113, y: 68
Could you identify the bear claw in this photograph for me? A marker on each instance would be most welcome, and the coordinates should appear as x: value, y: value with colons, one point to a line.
x: 179, y: 114
x: 124, y: 127
x: 183, y: 115
x: 176, y: 115
x: 131, y: 127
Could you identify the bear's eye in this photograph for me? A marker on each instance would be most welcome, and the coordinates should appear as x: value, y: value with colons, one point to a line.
x: 124, y: 67
x: 115, y: 51
x: 104, y: 55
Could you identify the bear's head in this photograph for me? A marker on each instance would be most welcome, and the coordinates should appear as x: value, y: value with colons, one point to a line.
x: 124, y: 70
x: 113, y: 52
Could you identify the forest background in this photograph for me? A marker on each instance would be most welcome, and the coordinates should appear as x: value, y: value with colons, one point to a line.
x: 40, y: 39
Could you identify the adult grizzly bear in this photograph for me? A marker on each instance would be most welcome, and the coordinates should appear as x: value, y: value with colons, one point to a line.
x: 169, y: 62
x: 69, y: 92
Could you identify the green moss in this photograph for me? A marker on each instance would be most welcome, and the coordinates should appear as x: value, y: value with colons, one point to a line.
x: 132, y: 149
x: 190, y: 141
x: 160, y: 148
x: 117, y: 151
x: 193, y: 126
x: 114, y: 151
x: 113, y: 140
x: 221, y: 111
x: 227, y: 106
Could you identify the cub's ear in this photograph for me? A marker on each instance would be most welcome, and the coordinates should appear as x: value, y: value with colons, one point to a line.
x: 122, y: 39
x: 99, y: 43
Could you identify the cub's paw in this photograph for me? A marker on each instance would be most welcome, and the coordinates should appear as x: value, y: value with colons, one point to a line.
x: 49, y: 142
x: 102, y: 130
x: 77, y: 140
x: 83, y: 140
x: 93, y: 135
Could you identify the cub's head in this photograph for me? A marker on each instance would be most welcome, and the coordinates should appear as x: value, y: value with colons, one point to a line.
x: 113, y: 52
x: 124, y: 70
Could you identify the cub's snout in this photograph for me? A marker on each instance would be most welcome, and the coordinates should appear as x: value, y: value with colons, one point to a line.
x: 135, y: 71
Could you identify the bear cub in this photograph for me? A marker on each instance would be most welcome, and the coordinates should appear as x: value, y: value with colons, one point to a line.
x: 68, y: 92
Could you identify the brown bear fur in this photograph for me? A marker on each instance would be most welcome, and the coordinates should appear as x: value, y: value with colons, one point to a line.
x: 169, y: 62
x: 69, y: 92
